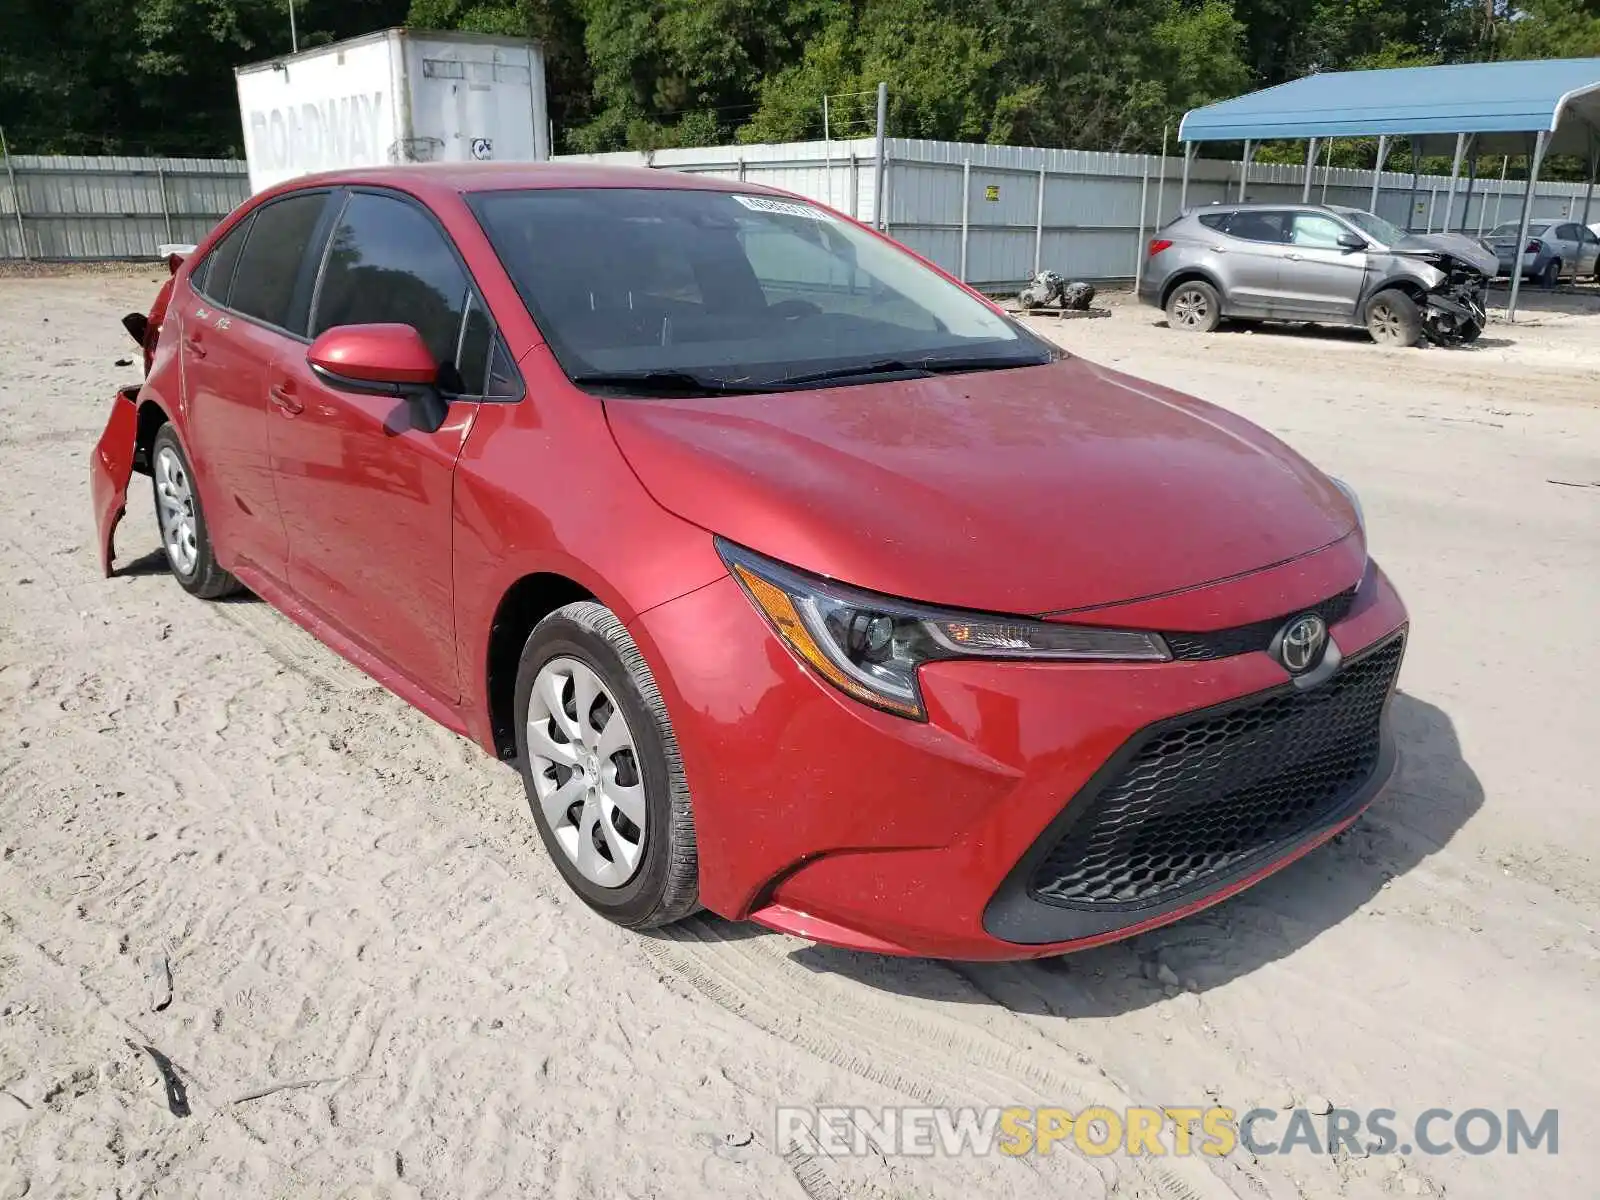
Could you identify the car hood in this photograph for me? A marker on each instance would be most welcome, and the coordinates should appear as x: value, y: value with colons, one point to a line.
x: 1031, y: 490
x: 1470, y: 251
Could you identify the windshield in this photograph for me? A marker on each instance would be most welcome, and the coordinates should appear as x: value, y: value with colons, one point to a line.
x: 1509, y: 229
x: 690, y: 289
x: 1372, y: 225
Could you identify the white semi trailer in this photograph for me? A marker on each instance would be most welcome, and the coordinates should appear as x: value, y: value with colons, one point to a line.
x: 396, y: 96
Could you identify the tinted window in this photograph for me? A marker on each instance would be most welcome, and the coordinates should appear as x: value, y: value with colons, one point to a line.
x: 1567, y: 233
x: 472, y: 359
x: 1260, y: 226
x: 1215, y: 220
x: 214, y: 276
x: 1316, y: 231
x: 269, y: 268
x: 503, y: 383
x: 1590, y: 236
x: 722, y: 289
x: 390, y: 263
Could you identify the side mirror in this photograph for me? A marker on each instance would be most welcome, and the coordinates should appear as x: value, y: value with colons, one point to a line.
x: 137, y: 325
x: 1352, y: 241
x: 382, y: 360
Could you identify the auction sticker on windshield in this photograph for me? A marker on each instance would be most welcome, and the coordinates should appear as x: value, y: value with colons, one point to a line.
x: 786, y: 207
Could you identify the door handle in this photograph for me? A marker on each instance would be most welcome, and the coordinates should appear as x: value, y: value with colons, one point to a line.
x: 1292, y: 257
x: 1219, y: 249
x: 193, y: 346
x: 284, y: 399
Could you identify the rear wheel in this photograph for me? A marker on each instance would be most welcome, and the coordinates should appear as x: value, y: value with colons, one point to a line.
x: 183, y: 523
x: 1393, y: 319
x: 600, y: 763
x: 1551, y: 275
x: 1194, y: 307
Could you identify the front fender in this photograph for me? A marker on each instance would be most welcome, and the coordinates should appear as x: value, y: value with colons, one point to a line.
x: 110, y: 469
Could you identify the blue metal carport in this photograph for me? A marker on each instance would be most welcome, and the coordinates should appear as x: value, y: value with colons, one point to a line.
x: 1535, y: 108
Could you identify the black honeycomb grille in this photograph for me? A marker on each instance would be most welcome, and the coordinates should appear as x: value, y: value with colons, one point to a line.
x: 1244, y: 639
x: 1206, y: 796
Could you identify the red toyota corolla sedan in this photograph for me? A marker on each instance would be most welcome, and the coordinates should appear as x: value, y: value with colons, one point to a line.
x: 799, y: 582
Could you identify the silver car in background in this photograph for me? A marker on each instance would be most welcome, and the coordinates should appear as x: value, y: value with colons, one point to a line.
x: 1553, y: 249
x: 1322, y: 263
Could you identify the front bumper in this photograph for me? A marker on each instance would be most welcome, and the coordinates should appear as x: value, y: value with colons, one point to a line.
x: 832, y: 821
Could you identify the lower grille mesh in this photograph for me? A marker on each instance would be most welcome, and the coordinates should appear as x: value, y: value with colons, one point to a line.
x: 1205, y: 796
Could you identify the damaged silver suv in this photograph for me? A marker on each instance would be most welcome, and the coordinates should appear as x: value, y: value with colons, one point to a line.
x: 1322, y: 263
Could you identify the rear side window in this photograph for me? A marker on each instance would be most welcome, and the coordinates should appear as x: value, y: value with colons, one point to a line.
x: 390, y: 263
x: 264, y: 284
x: 1260, y: 226
x: 214, y: 277
x: 1567, y: 233
x: 1215, y: 220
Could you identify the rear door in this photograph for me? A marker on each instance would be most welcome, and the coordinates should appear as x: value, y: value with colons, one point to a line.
x: 367, y: 498
x: 1570, y: 247
x: 1589, y: 254
x: 248, y: 296
x: 1252, y: 251
x: 1321, y: 280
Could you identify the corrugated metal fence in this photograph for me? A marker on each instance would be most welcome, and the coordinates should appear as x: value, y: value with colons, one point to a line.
x: 995, y: 214
x: 76, y: 208
x: 992, y: 214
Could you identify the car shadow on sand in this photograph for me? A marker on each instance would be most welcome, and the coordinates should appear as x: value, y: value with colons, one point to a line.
x: 1345, y: 333
x: 1431, y: 795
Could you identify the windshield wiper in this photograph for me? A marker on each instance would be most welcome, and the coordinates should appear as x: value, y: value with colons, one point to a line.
x: 664, y: 383
x: 913, y: 366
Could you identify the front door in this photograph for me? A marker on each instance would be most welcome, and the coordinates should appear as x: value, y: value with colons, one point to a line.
x: 1321, y: 280
x: 366, y: 498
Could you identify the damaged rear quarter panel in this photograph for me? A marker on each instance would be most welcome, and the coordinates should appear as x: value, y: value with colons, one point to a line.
x: 110, y: 469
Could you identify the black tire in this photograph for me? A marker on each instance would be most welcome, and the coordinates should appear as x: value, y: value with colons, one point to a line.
x: 1393, y: 318
x: 200, y: 576
x: 1194, y: 307
x: 1551, y: 275
x: 665, y: 884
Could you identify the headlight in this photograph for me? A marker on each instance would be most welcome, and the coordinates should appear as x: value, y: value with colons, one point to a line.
x: 1355, y: 503
x: 1361, y: 521
x: 869, y: 646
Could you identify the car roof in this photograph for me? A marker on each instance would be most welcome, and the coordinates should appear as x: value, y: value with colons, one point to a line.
x: 460, y: 177
x: 1270, y: 206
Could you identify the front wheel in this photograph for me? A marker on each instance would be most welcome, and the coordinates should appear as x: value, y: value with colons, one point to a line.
x: 1393, y: 319
x: 601, y: 767
x: 184, y: 536
x: 1194, y: 307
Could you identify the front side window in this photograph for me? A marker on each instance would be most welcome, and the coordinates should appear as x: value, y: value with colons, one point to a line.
x: 732, y: 292
x: 1316, y: 232
x: 265, y: 281
x: 389, y: 263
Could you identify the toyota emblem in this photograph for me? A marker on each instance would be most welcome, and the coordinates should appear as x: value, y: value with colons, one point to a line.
x: 1301, y: 643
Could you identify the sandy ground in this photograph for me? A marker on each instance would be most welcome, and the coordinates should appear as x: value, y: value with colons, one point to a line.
x: 356, y: 911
